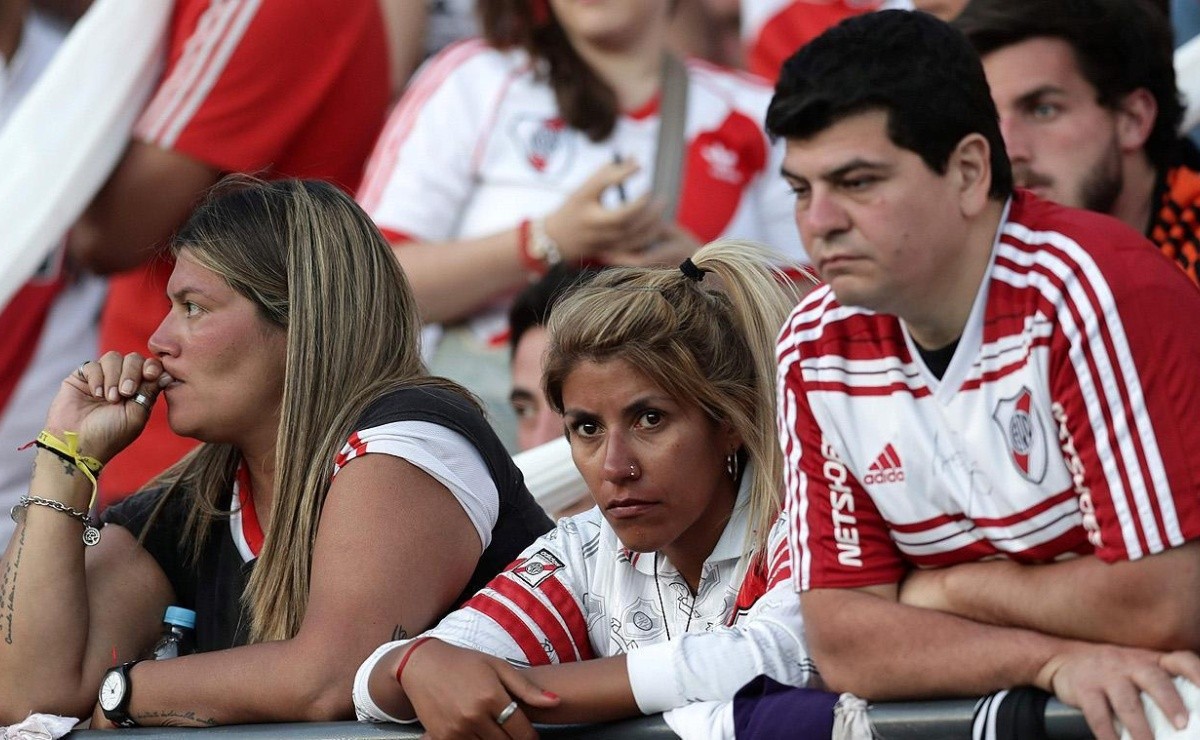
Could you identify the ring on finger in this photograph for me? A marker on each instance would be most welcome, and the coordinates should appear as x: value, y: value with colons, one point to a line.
x: 142, y: 400
x: 79, y: 370
x: 506, y: 713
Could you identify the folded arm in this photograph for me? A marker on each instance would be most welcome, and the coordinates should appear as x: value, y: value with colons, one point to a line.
x: 867, y: 643
x: 149, y: 194
x: 1153, y: 602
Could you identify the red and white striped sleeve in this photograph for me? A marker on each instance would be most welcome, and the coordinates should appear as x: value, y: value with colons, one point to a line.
x: 420, y: 175
x: 230, y: 99
x: 837, y: 538
x: 533, y: 612
x: 1122, y: 372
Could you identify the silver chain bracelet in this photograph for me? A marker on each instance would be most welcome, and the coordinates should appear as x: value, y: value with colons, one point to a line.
x: 91, y: 535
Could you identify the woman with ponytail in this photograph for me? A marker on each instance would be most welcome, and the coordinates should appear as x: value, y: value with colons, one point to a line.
x: 341, y: 495
x: 675, y: 587
x: 538, y: 143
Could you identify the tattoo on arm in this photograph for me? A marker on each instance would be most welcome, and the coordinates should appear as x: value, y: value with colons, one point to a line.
x: 174, y: 718
x: 8, y: 589
x: 68, y: 468
x: 399, y: 633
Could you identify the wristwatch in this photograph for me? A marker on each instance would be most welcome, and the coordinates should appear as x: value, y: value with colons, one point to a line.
x: 114, y: 695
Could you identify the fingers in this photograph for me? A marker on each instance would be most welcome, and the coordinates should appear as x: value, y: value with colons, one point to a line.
x: 1182, y: 663
x: 518, y: 727
x: 1099, y: 718
x: 115, y: 377
x: 525, y: 691
x: 606, y: 177
x: 1126, y: 703
x: 1160, y: 686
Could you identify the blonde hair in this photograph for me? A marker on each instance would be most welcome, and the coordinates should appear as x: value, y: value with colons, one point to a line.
x: 312, y: 262
x: 709, y: 345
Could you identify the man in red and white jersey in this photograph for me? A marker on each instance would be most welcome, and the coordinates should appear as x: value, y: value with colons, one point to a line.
x: 987, y: 412
x: 270, y: 87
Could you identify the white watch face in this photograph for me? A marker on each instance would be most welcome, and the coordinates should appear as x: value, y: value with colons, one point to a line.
x: 112, y: 690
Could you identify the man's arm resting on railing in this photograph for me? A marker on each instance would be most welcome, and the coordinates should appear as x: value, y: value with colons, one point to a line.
x: 1153, y: 602
x: 867, y: 643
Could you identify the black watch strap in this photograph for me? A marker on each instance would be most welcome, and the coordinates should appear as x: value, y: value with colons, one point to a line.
x: 119, y: 715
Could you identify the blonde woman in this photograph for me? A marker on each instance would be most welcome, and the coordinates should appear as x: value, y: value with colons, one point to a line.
x: 342, y: 495
x: 674, y: 588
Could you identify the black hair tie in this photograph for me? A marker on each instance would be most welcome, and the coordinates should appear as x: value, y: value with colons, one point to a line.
x: 690, y: 271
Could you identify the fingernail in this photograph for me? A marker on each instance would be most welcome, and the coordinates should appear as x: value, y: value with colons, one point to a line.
x: 1180, y: 721
x: 127, y: 386
x: 112, y: 393
x: 550, y: 695
x: 98, y: 391
x: 164, y: 380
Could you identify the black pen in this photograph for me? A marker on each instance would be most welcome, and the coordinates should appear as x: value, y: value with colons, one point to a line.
x: 620, y: 185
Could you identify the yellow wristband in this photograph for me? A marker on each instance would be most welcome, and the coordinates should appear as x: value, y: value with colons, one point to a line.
x: 69, y: 450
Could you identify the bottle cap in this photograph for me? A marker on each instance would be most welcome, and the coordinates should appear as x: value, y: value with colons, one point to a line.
x: 180, y: 617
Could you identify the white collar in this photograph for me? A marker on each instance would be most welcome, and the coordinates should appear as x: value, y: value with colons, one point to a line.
x: 730, y: 546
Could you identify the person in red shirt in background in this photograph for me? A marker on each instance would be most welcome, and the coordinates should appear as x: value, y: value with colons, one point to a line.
x: 271, y: 87
x: 772, y: 30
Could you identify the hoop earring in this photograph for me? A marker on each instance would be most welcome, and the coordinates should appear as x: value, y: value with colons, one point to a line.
x: 732, y: 466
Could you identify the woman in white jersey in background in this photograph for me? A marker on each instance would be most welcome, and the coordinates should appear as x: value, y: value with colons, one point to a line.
x: 536, y: 144
x: 675, y: 587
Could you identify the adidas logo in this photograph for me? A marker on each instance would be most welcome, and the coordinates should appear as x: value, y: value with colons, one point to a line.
x: 887, y: 468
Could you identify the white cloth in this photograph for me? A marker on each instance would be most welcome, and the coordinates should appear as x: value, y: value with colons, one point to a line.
x: 39, y: 727
x: 68, y: 335
x: 577, y: 593
x: 39, y: 40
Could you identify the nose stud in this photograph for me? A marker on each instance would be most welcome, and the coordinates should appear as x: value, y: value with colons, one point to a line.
x: 633, y: 472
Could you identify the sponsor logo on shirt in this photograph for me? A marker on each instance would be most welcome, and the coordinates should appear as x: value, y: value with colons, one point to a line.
x: 841, y: 502
x: 887, y: 468
x: 722, y: 163
x: 1021, y: 427
x: 1076, y: 469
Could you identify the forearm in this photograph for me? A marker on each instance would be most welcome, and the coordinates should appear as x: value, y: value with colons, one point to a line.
x: 589, y: 691
x: 43, y: 601
x: 280, y: 681
x: 1153, y: 602
x: 453, y: 280
x: 147, y: 197
x: 882, y: 650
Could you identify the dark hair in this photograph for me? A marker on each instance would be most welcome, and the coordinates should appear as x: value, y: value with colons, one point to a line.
x: 585, y: 101
x: 533, y: 305
x: 1120, y: 46
x: 918, y: 69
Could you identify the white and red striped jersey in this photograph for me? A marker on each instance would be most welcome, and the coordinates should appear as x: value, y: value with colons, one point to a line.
x: 577, y: 593
x: 1065, y: 422
x: 477, y: 144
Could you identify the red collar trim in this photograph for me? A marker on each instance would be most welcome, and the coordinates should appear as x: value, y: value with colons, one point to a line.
x: 648, y: 109
x: 250, y: 530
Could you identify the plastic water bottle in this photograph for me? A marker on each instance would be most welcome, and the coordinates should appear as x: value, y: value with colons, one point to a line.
x: 178, y: 635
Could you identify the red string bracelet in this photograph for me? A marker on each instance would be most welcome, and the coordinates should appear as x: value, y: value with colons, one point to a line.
x: 411, y: 649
